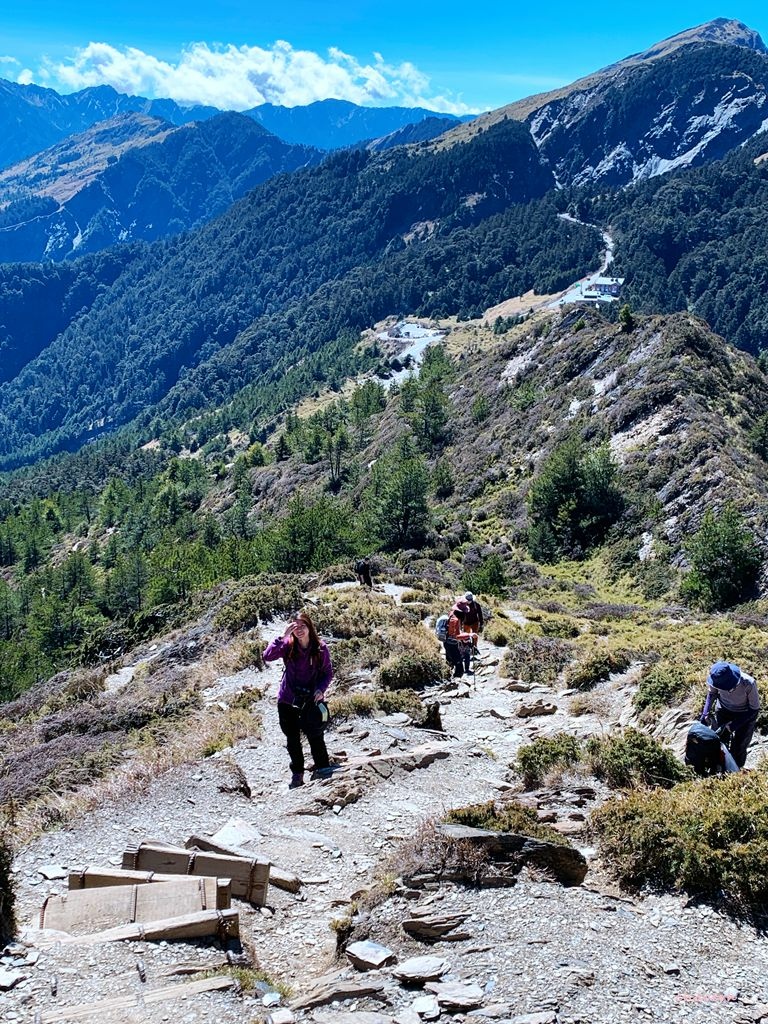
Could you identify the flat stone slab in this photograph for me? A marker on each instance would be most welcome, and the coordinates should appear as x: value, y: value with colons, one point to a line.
x: 9, y: 979
x: 533, y: 710
x: 544, y: 1017
x: 426, y: 1007
x: 456, y: 995
x: 336, y: 988
x: 237, y: 832
x: 52, y: 872
x: 368, y: 956
x: 421, y: 968
x: 282, y: 1016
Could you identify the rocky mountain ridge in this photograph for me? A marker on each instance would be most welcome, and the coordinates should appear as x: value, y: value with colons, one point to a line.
x: 135, y: 178
x: 686, y: 100
x: 33, y: 118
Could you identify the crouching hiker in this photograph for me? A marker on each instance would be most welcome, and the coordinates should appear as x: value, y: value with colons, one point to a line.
x: 706, y: 753
x: 737, y: 704
x: 300, y: 699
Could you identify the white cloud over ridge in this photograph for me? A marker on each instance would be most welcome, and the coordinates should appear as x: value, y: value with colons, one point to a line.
x: 239, y: 77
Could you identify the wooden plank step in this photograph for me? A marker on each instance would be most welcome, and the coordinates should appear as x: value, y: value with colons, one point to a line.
x: 100, y: 1009
x: 82, y: 911
x: 96, y: 878
x: 277, y: 876
x: 224, y: 923
x: 249, y: 875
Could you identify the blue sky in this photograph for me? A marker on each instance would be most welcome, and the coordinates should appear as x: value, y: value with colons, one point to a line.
x: 460, y: 57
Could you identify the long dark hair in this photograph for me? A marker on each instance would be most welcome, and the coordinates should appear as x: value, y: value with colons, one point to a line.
x: 315, y: 643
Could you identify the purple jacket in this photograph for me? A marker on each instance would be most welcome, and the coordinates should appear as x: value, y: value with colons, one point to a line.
x: 301, y: 678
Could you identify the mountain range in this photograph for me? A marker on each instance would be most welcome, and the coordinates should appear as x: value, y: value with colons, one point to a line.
x: 135, y: 177
x: 33, y: 118
x: 454, y: 224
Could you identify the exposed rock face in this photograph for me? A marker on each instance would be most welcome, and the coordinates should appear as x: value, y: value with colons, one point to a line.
x: 686, y: 100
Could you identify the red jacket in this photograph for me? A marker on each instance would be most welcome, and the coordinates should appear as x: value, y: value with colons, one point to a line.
x: 456, y: 630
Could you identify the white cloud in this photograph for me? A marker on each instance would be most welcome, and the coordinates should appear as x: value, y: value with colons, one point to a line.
x: 8, y: 60
x: 239, y: 77
x: 25, y: 77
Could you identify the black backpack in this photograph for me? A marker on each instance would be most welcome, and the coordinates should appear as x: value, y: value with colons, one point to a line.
x: 703, y: 750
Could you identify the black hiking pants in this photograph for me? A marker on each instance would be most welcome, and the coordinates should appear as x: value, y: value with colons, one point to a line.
x: 458, y: 656
x: 743, y: 727
x: 304, y: 719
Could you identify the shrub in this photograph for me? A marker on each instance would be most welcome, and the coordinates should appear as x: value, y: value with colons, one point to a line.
x: 7, y: 895
x: 539, y: 660
x: 510, y: 816
x: 358, y: 613
x: 490, y: 577
x: 543, y: 755
x: 634, y: 759
x: 725, y: 561
x: 660, y: 687
x: 588, y: 704
x: 707, y: 837
x: 559, y: 626
x: 363, y: 705
x: 357, y: 654
x: 412, y: 670
x: 259, y: 601
x: 596, y: 668
x: 500, y: 631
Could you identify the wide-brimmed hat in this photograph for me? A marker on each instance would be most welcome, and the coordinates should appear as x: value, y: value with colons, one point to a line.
x: 724, y: 675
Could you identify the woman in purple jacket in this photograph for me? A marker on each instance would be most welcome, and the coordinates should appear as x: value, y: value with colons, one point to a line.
x: 307, y: 675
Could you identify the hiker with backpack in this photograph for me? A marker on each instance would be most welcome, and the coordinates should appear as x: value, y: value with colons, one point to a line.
x: 301, y: 704
x: 363, y: 573
x: 737, y: 704
x: 473, y: 612
x: 458, y: 642
x: 706, y: 753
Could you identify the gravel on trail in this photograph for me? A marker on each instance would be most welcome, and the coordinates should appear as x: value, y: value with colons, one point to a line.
x: 538, y: 951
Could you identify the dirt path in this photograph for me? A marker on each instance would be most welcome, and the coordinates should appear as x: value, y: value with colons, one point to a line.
x: 573, y: 954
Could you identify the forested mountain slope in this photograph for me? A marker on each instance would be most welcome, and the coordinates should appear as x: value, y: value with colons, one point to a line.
x: 135, y: 177
x: 698, y: 240
x: 182, y: 301
x: 481, y: 455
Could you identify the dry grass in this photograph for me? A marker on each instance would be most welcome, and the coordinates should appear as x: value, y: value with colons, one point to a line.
x: 416, y: 661
x: 202, y: 734
x: 358, y: 613
x: 596, y: 704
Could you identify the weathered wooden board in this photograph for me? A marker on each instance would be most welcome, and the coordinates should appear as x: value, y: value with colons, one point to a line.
x: 224, y: 923
x: 99, y: 878
x: 277, y: 876
x: 83, y: 911
x: 99, y: 1010
x: 249, y: 876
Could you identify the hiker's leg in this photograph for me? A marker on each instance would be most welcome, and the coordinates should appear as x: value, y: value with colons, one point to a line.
x: 467, y: 653
x: 742, y: 737
x: 290, y: 723
x: 451, y: 650
x: 313, y: 728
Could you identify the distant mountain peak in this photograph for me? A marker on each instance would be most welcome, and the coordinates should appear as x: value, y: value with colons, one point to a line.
x: 725, y: 31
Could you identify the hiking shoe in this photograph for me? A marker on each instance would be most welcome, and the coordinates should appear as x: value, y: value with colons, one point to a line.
x: 324, y: 773
x: 297, y: 779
